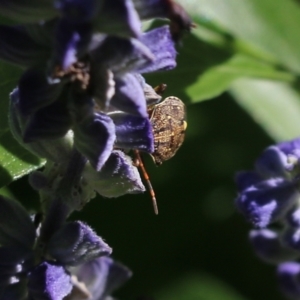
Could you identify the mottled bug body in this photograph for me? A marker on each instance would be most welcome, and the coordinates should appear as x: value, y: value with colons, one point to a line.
x: 168, y: 119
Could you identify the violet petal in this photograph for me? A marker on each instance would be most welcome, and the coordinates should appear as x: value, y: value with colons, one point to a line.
x: 129, y: 96
x: 71, y: 43
x: 117, y: 177
x: 95, y: 137
x: 120, y: 55
x: 77, y: 243
x: 133, y: 132
x: 102, y: 276
x: 272, y: 163
x: 264, y: 205
x: 160, y: 43
x: 49, y: 281
x: 289, y: 147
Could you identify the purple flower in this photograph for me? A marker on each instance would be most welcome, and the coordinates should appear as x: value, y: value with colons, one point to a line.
x: 267, y: 194
x: 267, y: 202
x: 49, y: 281
x: 82, y: 85
x: 99, y: 278
x: 81, y: 104
x: 269, y: 197
x: 23, y: 268
x: 49, y: 110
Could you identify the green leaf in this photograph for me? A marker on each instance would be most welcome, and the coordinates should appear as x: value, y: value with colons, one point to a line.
x: 275, y: 106
x: 15, y: 161
x: 199, y: 287
x: 9, y: 77
x: 218, y: 79
x: 271, y: 27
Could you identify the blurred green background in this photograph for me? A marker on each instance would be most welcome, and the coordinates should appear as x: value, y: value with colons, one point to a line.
x: 243, y: 56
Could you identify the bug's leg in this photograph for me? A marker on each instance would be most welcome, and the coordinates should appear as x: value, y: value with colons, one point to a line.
x: 139, y: 163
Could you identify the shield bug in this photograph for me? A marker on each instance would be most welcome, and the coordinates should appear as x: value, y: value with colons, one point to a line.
x: 168, y: 119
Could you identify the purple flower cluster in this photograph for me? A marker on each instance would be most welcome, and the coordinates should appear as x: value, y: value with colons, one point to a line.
x: 81, y: 103
x: 269, y: 197
x: 52, y: 261
x: 74, y: 254
x: 83, y: 86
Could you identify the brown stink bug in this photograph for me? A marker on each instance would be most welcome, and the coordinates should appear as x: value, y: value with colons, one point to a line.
x: 168, y: 119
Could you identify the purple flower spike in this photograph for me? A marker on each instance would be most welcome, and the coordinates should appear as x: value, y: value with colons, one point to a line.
x: 95, y: 137
x: 267, y: 245
x: 77, y: 243
x: 288, y: 274
x: 133, y: 132
x: 49, y: 282
x: 82, y: 90
x: 271, y: 195
x: 268, y: 202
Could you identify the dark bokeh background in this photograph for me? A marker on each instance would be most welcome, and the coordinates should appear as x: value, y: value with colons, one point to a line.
x: 198, y: 235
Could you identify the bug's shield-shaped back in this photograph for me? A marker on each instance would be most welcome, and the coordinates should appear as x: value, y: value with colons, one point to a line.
x: 168, y: 120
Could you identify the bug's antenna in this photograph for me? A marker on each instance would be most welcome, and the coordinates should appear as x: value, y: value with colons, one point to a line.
x: 139, y: 163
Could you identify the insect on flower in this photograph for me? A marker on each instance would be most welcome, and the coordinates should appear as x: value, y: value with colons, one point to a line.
x: 168, y: 119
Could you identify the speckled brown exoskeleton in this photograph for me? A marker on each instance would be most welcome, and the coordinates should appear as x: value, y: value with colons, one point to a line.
x: 168, y: 119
